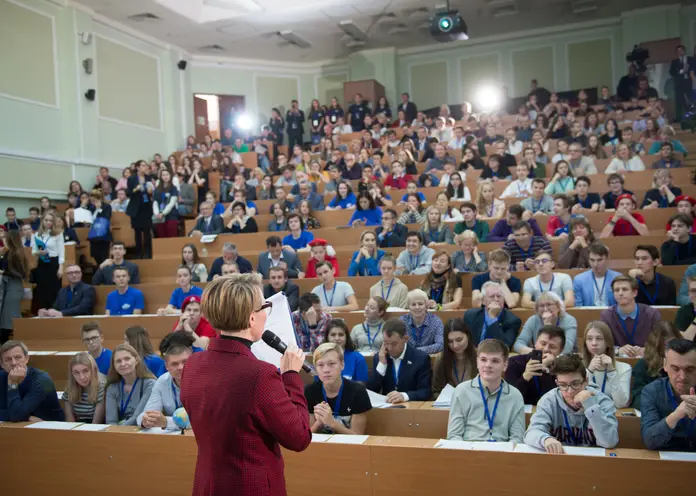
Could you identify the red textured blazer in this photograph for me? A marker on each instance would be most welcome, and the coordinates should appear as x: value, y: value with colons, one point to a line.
x: 241, y: 411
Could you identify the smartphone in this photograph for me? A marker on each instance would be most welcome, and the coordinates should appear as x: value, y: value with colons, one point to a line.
x: 537, y: 355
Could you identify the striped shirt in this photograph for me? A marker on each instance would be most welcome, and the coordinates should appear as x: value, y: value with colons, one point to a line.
x: 517, y: 254
x: 83, y: 409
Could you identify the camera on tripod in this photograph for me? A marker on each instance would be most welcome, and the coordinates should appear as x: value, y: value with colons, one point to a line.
x: 637, y: 57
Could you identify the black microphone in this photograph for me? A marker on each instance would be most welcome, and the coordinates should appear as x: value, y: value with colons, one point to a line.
x: 277, y: 344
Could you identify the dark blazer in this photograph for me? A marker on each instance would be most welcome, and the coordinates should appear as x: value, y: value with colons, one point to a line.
x: 415, y: 375
x: 242, y: 411
x: 316, y: 201
x: 216, y: 225
x: 82, y: 303
x: 291, y: 290
x: 676, y: 65
x: 136, y: 198
x: 396, y: 238
x: 216, y: 269
x: 411, y: 111
x: 505, y: 329
x: 290, y: 258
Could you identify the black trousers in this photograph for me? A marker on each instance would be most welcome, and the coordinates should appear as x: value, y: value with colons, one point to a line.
x: 293, y: 139
x: 682, y: 92
x: 143, y: 241
x: 99, y: 250
x: 47, y: 284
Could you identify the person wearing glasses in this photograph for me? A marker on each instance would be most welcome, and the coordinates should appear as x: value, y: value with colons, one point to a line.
x: 547, y: 280
x: 580, y: 165
x: 77, y: 298
x: 391, y: 234
x: 575, y: 413
x: 93, y: 339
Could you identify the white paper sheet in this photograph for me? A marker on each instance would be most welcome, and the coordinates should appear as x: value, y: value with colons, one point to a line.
x: 320, y: 438
x: 677, y: 456
x: 84, y: 216
x: 347, y: 439
x: 208, y: 238
x: 638, y: 413
x: 58, y: 426
x: 377, y: 400
x: 528, y: 409
x: 59, y: 394
x: 159, y: 430
x: 444, y: 400
x: 280, y: 323
x: 474, y: 446
x: 92, y: 427
x: 579, y: 451
x: 525, y: 448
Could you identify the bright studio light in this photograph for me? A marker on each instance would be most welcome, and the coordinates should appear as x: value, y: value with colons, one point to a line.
x: 488, y: 98
x: 244, y: 122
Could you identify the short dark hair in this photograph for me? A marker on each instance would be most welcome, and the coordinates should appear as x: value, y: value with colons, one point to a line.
x: 176, y: 342
x: 273, y: 241
x: 553, y: 331
x: 681, y: 346
x: 523, y: 224
x: 34, y: 209
x: 584, y: 179
x: 516, y: 210
x: 651, y: 249
x: 342, y: 324
x: 239, y: 204
x: 389, y: 211
x: 685, y: 219
x: 565, y: 199
x: 538, y: 180
x: 394, y: 326
x: 667, y: 144
x: 470, y: 205
x: 411, y: 234
x: 90, y: 326
x: 118, y: 243
x: 307, y: 300
x: 295, y: 215
x: 569, y: 364
x: 278, y: 269
x: 325, y: 263
x: 9, y: 209
x: 599, y: 248
x: 614, y: 177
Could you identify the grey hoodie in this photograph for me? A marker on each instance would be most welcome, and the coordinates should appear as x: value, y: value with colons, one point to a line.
x: 595, y: 424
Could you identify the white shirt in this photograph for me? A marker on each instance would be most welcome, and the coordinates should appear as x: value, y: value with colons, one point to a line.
x: 274, y: 262
x: 514, y: 148
x: 560, y: 156
x: 382, y: 368
x: 600, y: 300
x: 518, y: 189
x: 457, y: 143
x: 55, y: 245
x: 634, y: 164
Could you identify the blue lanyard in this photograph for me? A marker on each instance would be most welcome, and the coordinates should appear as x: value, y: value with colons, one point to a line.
x: 584, y: 202
x: 630, y: 337
x: 176, y: 402
x: 541, y: 290
x: 337, y: 404
x: 395, y: 373
x: 485, y: 325
x: 570, y: 431
x: 456, y: 374
x: 490, y: 418
x: 537, y: 383
x: 527, y: 253
x: 436, y: 294
x: 329, y: 303
x: 122, y: 410
x: 563, y: 184
x: 689, y: 423
x: 538, y: 207
x: 604, y: 381
x: 386, y: 298
x: 410, y: 258
x: 366, y: 328
x: 433, y: 237
x: 604, y: 283
x: 644, y: 289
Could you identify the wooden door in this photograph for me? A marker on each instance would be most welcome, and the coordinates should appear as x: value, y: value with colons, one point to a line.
x: 200, y: 115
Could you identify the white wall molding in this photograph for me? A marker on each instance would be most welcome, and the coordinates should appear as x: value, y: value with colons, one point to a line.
x: 30, y: 193
x: 52, y: 159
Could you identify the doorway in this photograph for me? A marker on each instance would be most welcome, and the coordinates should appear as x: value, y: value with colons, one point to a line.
x: 214, y: 114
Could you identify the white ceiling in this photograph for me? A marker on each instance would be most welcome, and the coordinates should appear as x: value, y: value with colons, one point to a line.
x: 246, y: 28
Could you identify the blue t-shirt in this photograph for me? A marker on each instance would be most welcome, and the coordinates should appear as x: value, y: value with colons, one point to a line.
x: 178, y: 296
x: 300, y: 242
x: 477, y: 282
x: 355, y: 366
x: 348, y: 201
x: 421, y: 197
x: 219, y: 209
x: 104, y: 361
x: 124, y: 304
x: 371, y: 217
x: 155, y: 364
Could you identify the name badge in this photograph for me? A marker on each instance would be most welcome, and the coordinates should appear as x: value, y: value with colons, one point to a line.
x: 333, y: 118
x: 294, y: 125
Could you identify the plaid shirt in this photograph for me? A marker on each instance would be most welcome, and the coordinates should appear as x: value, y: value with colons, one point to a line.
x: 307, y: 338
x: 428, y: 338
x: 517, y: 254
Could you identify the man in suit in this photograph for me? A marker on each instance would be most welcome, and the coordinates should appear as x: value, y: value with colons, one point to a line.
x: 277, y: 282
x: 401, y: 372
x: 294, y: 119
x: 680, y: 69
x: 77, y: 298
x: 241, y: 408
x: 229, y: 255
x: 315, y: 200
x: 390, y: 234
x: 408, y: 107
x: 207, y: 223
x: 276, y: 256
x: 492, y: 321
x: 593, y: 287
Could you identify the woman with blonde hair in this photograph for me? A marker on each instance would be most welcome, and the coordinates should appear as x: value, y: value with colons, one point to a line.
x: 139, y: 339
x: 468, y: 258
x: 128, y: 386
x: 48, y: 244
x: 83, y: 397
x: 649, y: 368
x: 663, y: 194
x: 625, y: 161
x: 435, y: 231
x: 442, y: 285
x: 424, y: 328
x: 487, y: 205
x: 611, y: 377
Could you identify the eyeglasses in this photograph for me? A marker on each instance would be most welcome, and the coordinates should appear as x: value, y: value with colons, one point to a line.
x: 74, y: 273
x: 575, y: 385
x: 542, y: 261
x: 268, y: 305
x: 90, y: 340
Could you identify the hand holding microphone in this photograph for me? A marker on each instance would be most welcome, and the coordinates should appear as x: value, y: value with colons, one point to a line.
x: 292, y: 359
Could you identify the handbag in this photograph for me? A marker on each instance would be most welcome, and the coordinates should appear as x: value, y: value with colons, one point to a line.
x: 99, y: 230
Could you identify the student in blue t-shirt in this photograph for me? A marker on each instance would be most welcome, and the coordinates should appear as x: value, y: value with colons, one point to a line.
x: 367, y: 213
x: 186, y: 288
x: 298, y: 238
x: 355, y: 366
x: 211, y: 198
x: 412, y: 189
x: 344, y: 199
x: 139, y: 339
x: 125, y: 300
x: 93, y: 339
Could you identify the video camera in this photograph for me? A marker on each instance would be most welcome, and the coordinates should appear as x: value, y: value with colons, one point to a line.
x: 637, y: 57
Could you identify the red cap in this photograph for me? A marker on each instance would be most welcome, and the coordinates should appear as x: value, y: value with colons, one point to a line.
x: 190, y: 299
x: 624, y: 196
x: 686, y: 198
x: 318, y: 242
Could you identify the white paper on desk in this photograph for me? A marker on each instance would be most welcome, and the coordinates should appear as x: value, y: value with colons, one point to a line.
x: 280, y: 323
x: 444, y: 400
x: 59, y: 426
x: 208, y: 238
x: 320, y: 438
x: 377, y: 400
x: 82, y: 215
x: 474, y: 446
x: 159, y: 430
x: 67, y: 353
x: 42, y: 353
x: 92, y: 427
x: 638, y: 414
x: 525, y: 448
x: 347, y: 439
x: 528, y: 408
x: 580, y: 451
x: 677, y: 456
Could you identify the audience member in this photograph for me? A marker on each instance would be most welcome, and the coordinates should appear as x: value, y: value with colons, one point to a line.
x: 345, y: 198
x: 616, y: 189
x: 277, y: 256
x: 610, y: 376
x: 654, y: 288
x: 194, y: 324
x: 539, y: 203
x: 416, y: 259
x: 625, y: 222
x: 457, y: 362
x: 278, y: 282
x: 650, y: 367
x: 493, y: 320
x: 319, y: 249
x: 524, y: 247
x: 499, y: 271
x: 298, y: 239
x: 424, y: 328
x: 12, y: 224
x: 240, y: 221
x: 355, y: 366
x: 105, y: 273
x: 575, y: 250
x: 229, y: 254
x: 125, y: 300
x: 442, y: 284
x: 471, y: 223
x: 683, y: 297
x: 47, y: 244
x: 435, y: 231
x: 686, y: 315
x: 139, y: 339
x: 128, y: 386
x: 663, y: 194
x: 342, y: 297
x: 598, y: 293
x: 83, y: 398
x: 207, y: 222
x: 93, y: 338
x: 365, y: 262
x: 468, y: 258
x: 549, y: 310
x: 365, y: 338
x: 185, y: 289
x: 389, y: 288
x: 679, y: 249
x: 14, y: 270
x: 503, y: 229
x: 391, y: 234
x: 140, y: 191
x: 534, y: 286
x: 584, y: 201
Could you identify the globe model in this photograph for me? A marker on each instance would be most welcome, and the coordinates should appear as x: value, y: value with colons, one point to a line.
x: 181, y: 418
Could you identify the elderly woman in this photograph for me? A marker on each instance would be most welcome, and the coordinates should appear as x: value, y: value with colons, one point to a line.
x: 611, y: 377
x: 468, y: 258
x: 367, y: 337
x: 425, y: 329
x: 663, y: 194
x: 240, y: 223
x: 625, y: 161
x: 435, y: 231
x: 442, y: 285
x: 549, y: 310
x: 575, y: 253
x: 337, y: 405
